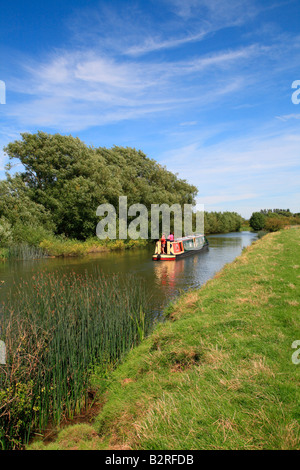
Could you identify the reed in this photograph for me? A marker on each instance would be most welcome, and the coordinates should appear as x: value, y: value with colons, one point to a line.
x: 57, y: 329
x: 25, y: 252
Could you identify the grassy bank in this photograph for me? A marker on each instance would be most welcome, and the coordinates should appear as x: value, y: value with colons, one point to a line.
x: 59, y: 331
x: 64, y: 247
x: 218, y: 374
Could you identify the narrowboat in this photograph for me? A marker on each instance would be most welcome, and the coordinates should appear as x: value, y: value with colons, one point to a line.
x: 179, y: 248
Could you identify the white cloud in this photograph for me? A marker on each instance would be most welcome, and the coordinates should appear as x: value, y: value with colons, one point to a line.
x: 260, y: 167
x: 79, y: 89
x: 226, y: 12
x: 287, y: 117
x: 152, y: 44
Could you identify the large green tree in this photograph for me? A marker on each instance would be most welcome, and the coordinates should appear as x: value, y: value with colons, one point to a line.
x: 70, y: 179
x: 257, y: 221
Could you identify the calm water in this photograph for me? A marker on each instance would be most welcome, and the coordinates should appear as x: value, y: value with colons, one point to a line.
x: 164, y: 280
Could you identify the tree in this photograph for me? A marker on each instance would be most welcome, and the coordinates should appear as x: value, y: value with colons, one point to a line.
x: 257, y: 221
x: 17, y: 205
x: 70, y: 180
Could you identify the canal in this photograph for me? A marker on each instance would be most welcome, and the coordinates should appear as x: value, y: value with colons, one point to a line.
x: 164, y: 280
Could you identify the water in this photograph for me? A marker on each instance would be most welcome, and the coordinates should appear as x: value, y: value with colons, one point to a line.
x: 164, y: 280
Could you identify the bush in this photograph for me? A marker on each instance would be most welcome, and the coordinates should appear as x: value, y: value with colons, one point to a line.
x: 257, y: 221
x: 273, y: 224
x: 261, y: 233
x: 5, y: 232
x: 30, y: 234
x: 59, y: 246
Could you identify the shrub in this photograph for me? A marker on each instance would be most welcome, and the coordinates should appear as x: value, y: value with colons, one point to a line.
x: 273, y: 224
x: 257, y: 221
x: 59, y: 246
x: 5, y: 232
x: 30, y: 234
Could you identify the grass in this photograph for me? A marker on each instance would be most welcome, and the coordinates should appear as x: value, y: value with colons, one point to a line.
x: 58, y: 246
x: 25, y: 252
x: 245, y: 227
x: 64, y: 247
x: 60, y: 331
x: 218, y: 374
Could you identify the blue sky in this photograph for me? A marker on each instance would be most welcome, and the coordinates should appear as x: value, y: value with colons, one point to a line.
x: 202, y: 86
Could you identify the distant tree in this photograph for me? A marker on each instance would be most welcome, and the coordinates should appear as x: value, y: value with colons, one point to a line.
x: 273, y: 224
x: 257, y: 221
x: 222, y: 222
x: 271, y: 212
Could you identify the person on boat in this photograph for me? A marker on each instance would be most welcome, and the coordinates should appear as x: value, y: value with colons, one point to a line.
x: 163, y: 243
x: 171, y: 237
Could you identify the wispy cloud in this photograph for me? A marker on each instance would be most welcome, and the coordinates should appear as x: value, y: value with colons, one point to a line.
x: 204, y: 17
x: 287, y: 117
x: 254, y: 167
x: 154, y: 44
x: 109, y: 81
x: 72, y: 84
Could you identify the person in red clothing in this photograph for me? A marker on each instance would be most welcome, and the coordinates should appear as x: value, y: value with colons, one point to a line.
x: 171, y: 237
x: 163, y: 243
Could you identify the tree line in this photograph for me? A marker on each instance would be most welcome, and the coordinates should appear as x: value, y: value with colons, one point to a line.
x: 272, y: 220
x: 62, y: 181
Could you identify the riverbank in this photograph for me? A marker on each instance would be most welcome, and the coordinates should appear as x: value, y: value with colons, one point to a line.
x: 218, y: 374
x: 59, y: 247
x: 35, y: 245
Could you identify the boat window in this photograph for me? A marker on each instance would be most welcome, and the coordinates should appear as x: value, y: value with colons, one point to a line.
x: 188, y: 244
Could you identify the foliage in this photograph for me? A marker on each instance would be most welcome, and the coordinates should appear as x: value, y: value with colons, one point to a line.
x: 273, y: 224
x: 64, y: 181
x: 257, y: 221
x: 6, y: 234
x: 70, y: 180
x: 271, y: 212
x: 17, y: 204
x: 30, y: 234
x: 272, y: 220
x: 57, y: 330
x: 222, y: 222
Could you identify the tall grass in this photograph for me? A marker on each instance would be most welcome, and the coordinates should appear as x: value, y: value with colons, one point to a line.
x: 25, y: 252
x: 57, y: 329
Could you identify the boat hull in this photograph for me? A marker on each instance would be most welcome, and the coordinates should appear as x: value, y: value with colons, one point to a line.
x: 171, y: 257
x: 163, y: 257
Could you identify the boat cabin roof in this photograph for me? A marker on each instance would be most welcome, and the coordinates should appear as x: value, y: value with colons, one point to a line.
x: 189, y: 237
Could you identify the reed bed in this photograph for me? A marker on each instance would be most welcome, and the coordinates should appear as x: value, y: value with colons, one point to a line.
x: 57, y: 330
x: 25, y: 252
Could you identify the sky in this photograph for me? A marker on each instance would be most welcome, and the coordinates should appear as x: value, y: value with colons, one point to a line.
x: 204, y: 87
